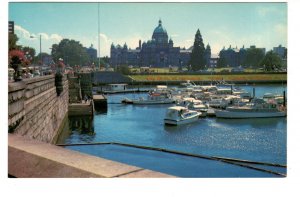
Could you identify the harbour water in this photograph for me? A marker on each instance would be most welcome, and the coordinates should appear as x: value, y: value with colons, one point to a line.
x: 261, y: 139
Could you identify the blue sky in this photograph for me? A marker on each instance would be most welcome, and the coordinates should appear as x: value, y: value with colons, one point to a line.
x: 221, y: 24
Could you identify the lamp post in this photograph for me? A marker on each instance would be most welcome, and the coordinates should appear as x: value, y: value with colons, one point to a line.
x: 40, y: 46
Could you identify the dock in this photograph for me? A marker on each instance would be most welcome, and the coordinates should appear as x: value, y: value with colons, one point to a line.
x: 100, y: 101
x: 81, y: 109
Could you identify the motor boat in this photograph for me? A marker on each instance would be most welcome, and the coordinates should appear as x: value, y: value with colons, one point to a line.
x: 152, y: 99
x: 194, y: 104
x: 257, y: 108
x: 178, y: 115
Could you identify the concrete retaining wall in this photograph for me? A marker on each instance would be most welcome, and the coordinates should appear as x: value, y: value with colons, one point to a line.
x: 34, y: 109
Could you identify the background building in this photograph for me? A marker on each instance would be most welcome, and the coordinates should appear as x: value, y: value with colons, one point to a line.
x: 92, y: 53
x: 11, y: 27
x: 235, y: 57
x: 157, y: 52
x: 281, y: 51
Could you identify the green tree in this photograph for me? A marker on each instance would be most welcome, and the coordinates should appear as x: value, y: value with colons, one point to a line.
x: 253, y: 57
x: 104, y: 60
x: 197, y: 60
x: 71, y: 51
x: 40, y: 57
x: 123, y: 69
x: 29, y: 52
x: 222, y: 61
x: 12, y: 42
x: 271, y: 62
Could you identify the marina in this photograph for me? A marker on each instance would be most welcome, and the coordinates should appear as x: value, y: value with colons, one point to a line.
x: 259, y: 139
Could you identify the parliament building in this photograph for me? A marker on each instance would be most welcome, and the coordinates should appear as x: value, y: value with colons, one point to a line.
x: 157, y: 52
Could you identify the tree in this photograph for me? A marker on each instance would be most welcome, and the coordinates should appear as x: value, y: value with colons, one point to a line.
x: 124, y: 69
x: 29, y: 53
x: 222, y: 61
x: 271, y: 62
x: 197, y: 60
x: 104, y: 60
x: 12, y: 42
x: 253, y: 57
x: 41, y: 58
x: 71, y: 51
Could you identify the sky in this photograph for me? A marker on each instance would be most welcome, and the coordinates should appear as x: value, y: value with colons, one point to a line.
x: 221, y: 24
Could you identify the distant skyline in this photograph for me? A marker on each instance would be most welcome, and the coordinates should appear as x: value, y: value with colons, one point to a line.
x: 221, y: 24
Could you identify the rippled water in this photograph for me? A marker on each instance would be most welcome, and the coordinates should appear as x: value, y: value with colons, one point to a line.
x: 251, y: 139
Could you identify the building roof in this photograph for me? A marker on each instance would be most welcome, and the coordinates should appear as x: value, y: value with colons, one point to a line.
x: 160, y: 29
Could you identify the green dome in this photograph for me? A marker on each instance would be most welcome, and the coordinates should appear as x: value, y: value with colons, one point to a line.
x: 160, y: 34
x: 160, y: 28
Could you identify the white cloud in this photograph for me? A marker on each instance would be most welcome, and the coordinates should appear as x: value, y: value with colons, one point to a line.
x: 44, y: 36
x: 27, y: 38
x: 104, y: 38
x: 22, y: 32
x: 25, y: 34
x: 56, y: 37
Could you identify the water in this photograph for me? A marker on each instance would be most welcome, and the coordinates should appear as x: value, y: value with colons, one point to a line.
x: 250, y: 139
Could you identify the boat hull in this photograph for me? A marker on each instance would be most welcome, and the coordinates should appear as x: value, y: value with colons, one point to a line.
x: 240, y: 115
x: 182, y: 121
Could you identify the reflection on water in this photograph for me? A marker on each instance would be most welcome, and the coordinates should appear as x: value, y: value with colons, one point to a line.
x: 82, y: 126
x: 253, y: 122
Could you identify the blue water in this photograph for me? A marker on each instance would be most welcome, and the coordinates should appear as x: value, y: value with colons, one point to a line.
x: 249, y: 139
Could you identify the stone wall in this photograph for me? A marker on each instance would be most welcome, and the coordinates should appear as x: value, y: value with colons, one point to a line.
x: 34, y: 109
x: 74, y: 90
x: 85, y: 84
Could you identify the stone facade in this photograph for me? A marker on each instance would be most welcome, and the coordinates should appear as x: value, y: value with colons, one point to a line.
x: 157, y: 52
x: 34, y: 109
x: 235, y: 57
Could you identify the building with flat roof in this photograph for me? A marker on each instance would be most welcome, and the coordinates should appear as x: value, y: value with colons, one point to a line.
x: 281, y: 51
x: 11, y: 27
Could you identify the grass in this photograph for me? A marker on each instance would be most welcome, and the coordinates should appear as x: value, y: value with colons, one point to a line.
x: 216, y: 77
x: 167, y: 70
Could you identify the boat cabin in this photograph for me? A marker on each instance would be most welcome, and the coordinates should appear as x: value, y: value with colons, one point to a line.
x: 175, y: 112
x: 117, y: 87
x: 221, y: 91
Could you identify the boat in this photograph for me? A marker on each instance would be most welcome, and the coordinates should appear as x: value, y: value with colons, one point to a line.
x: 257, y: 108
x: 219, y: 101
x: 178, y: 115
x: 151, y: 100
x: 194, y: 104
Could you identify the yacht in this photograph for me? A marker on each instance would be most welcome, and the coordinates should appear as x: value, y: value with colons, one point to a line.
x: 257, y: 108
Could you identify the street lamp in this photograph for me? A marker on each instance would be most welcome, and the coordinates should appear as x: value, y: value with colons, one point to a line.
x: 40, y: 46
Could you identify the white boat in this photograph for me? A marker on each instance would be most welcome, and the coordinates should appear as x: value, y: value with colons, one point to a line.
x: 219, y: 101
x: 194, y: 104
x: 257, y: 108
x: 179, y: 115
x: 151, y: 100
